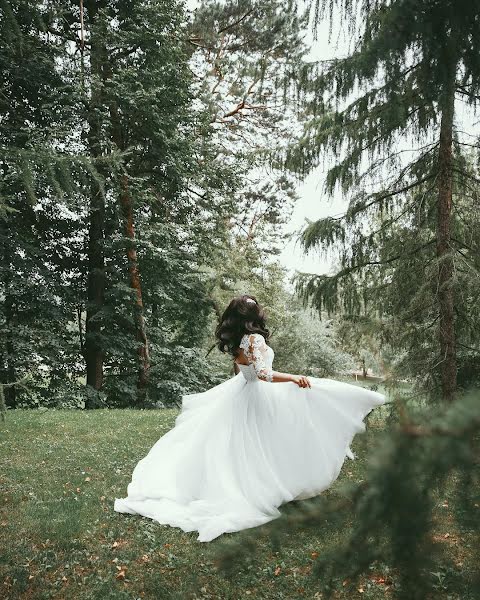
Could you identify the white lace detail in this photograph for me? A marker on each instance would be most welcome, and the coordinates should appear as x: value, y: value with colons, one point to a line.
x: 256, y: 352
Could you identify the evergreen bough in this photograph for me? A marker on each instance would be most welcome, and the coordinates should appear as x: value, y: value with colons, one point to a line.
x: 407, y: 244
x: 387, y: 520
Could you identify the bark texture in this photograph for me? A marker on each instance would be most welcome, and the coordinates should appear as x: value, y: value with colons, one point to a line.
x: 126, y: 206
x: 93, y: 351
x: 448, y: 366
x: 136, y: 285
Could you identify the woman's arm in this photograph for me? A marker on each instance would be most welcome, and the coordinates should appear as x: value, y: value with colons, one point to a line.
x: 256, y: 354
x: 300, y: 380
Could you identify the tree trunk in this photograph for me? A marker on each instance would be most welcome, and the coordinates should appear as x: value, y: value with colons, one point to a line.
x: 94, y: 354
x: 364, y: 369
x: 444, y: 255
x: 10, y: 391
x: 7, y: 363
x: 125, y: 200
x: 135, y: 284
x: 95, y: 292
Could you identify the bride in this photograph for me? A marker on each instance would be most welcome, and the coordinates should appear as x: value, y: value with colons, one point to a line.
x: 243, y: 448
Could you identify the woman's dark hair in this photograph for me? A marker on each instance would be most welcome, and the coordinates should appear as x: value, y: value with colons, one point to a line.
x: 240, y: 317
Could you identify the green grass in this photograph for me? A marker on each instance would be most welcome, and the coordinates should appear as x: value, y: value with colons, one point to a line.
x: 60, y: 538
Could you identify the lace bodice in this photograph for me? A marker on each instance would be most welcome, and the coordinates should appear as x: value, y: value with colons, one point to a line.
x: 259, y: 356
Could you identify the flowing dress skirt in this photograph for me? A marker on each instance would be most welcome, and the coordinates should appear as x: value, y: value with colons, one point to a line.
x: 242, y: 449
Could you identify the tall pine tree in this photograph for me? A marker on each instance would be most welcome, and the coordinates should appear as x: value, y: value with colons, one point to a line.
x: 387, y: 114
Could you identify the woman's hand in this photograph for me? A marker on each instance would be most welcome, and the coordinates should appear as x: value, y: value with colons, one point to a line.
x: 301, y: 381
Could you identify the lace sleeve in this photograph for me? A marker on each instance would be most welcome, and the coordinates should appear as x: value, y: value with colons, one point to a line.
x: 255, y: 350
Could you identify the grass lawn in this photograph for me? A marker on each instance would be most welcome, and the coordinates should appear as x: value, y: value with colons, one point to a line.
x: 60, y: 471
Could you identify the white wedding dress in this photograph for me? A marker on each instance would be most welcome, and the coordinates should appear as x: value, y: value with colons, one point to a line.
x: 245, y: 447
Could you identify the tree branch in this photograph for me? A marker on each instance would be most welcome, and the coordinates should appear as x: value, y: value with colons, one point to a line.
x: 237, y: 22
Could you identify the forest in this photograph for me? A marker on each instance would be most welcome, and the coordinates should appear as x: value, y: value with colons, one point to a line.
x: 151, y: 153
x: 140, y: 191
x: 149, y: 166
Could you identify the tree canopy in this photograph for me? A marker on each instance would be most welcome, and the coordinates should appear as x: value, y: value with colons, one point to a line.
x: 388, y: 116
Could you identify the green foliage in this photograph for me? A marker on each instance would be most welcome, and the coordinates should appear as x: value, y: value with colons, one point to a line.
x: 305, y: 344
x: 377, y: 113
x: 388, y: 517
x: 37, y: 228
x: 206, y: 205
x: 243, y: 55
x: 48, y: 179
